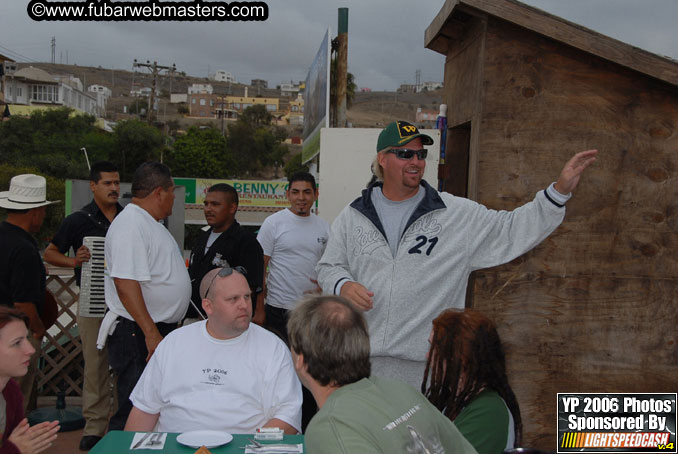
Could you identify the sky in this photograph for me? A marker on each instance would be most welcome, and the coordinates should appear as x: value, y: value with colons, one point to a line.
x: 386, y: 38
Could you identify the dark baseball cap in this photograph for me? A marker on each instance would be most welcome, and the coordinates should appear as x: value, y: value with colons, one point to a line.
x: 399, y: 133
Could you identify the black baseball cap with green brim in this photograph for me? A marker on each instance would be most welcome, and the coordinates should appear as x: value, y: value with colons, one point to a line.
x: 399, y: 133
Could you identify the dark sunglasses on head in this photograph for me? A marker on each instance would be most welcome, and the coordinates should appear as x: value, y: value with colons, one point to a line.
x: 225, y: 272
x: 405, y: 153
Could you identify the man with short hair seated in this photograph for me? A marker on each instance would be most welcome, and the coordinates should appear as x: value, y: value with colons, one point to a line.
x: 224, y: 373
x: 358, y: 413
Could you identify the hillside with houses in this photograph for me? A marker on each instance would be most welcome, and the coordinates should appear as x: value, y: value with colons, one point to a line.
x: 181, y: 101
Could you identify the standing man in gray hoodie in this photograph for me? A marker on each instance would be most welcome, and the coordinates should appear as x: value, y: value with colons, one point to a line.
x: 402, y: 252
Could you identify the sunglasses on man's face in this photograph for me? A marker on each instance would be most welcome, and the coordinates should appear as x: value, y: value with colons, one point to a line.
x: 407, y: 154
x: 225, y: 272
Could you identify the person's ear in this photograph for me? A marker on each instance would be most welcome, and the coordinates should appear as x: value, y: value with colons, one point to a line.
x: 207, y: 306
x: 157, y: 192
x: 381, y: 157
x: 299, y: 363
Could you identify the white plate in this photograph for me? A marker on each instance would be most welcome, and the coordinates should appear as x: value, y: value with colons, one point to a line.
x: 206, y: 438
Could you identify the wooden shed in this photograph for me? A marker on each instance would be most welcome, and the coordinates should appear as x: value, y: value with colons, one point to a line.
x: 594, y: 308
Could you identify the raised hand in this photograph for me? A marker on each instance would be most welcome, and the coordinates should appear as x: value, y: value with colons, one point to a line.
x: 571, y: 173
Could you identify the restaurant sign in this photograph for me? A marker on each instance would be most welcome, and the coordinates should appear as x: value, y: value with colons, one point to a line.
x: 260, y: 193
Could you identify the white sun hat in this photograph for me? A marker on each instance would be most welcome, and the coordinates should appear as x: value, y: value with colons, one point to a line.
x: 25, y: 192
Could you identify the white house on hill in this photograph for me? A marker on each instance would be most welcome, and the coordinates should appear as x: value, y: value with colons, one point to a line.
x: 36, y: 87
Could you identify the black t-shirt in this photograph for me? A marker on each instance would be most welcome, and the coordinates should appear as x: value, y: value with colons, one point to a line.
x: 236, y: 246
x: 89, y: 221
x: 22, y: 273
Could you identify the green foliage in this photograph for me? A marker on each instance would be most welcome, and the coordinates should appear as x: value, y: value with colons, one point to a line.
x: 52, y: 141
x: 294, y: 165
x: 182, y: 109
x: 255, y: 141
x: 202, y: 153
x: 256, y: 116
x: 135, y: 143
x: 172, y: 127
x: 99, y: 145
x: 55, y: 191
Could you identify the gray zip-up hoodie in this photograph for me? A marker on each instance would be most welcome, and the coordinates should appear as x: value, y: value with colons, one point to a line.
x: 445, y: 239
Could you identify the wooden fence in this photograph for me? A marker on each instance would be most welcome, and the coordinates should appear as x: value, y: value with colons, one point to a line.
x: 61, y: 361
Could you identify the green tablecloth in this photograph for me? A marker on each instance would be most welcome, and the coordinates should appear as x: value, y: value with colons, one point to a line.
x: 119, y: 442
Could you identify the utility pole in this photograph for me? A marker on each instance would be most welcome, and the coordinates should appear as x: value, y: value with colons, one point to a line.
x: 136, y: 100
x: 342, y: 66
x: 155, y: 69
x: 53, y: 48
x: 223, y: 114
x: 219, y: 111
x: 171, y: 78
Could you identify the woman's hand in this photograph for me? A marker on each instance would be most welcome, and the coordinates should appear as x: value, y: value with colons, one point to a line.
x: 34, y: 439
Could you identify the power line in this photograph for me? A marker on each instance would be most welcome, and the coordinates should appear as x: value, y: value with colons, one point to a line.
x: 16, y: 55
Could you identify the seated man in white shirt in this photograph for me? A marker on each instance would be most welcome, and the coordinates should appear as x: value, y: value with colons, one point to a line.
x: 224, y: 373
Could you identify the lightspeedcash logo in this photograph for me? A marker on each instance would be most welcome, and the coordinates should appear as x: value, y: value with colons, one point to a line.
x: 619, y: 423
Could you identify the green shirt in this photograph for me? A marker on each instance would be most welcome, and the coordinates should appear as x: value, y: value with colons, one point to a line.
x: 487, y: 423
x: 376, y: 415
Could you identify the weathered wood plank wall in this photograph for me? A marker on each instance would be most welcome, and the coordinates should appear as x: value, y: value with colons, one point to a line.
x: 594, y: 307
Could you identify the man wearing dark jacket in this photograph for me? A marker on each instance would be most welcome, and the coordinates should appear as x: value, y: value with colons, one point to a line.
x: 22, y: 273
x: 225, y: 244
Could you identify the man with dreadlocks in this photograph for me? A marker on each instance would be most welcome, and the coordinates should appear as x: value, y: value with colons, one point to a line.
x: 465, y: 378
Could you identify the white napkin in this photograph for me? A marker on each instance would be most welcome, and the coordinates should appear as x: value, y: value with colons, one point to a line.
x: 107, y: 327
x: 145, y: 445
x: 275, y: 449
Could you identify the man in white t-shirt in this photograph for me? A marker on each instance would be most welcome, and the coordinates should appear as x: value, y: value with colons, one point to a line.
x: 293, y: 241
x: 224, y: 373
x: 146, y: 283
